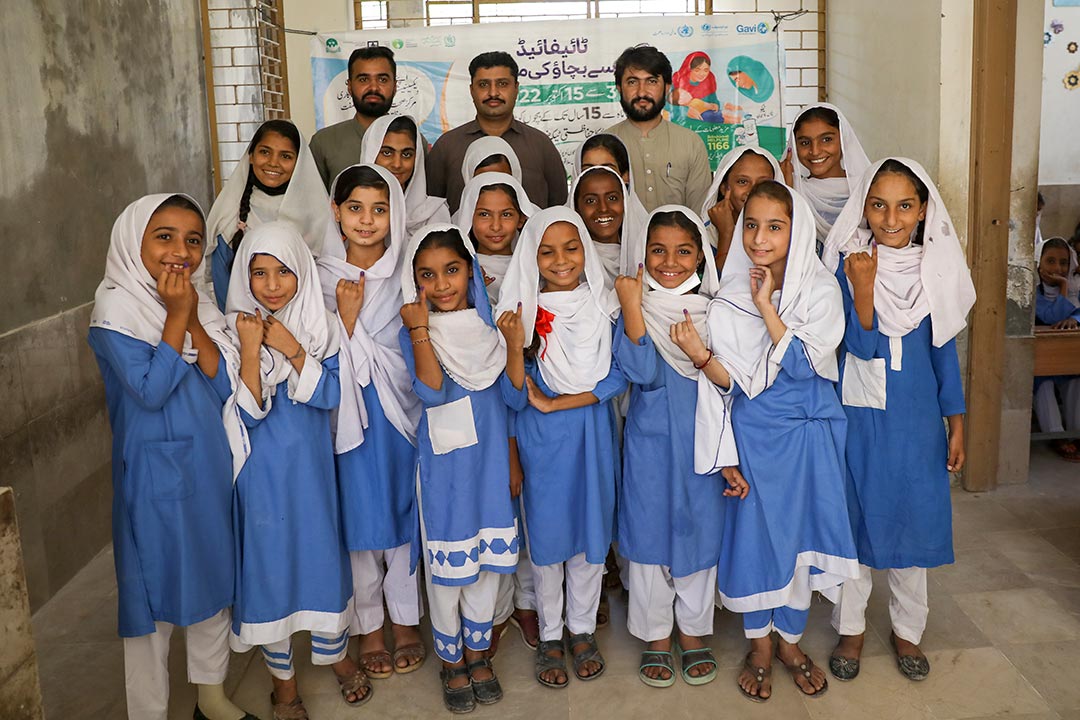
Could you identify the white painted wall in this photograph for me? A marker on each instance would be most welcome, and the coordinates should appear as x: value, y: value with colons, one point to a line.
x: 883, y: 67
x: 1059, y: 157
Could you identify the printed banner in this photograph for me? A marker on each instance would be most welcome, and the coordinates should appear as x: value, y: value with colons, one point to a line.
x: 728, y: 82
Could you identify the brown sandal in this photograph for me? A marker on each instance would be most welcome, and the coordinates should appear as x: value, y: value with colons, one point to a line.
x: 415, y: 652
x: 352, y: 685
x: 761, y: 674
x: 805, y: 668
x: 294, y: 710
x: 370, y: 660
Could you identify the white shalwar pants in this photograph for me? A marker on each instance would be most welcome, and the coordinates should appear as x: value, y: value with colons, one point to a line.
x: 908, y: 607
x: 658, y: 600
x: 326, y: 649
x: 516, y: 591
x: 1046, y: 405
x: 146, y: 663
x: 584, y: 581
x: 371, y: 584
x: 461, y: 615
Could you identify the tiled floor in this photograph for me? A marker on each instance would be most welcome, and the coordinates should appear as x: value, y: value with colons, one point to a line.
x: 1003, y: 639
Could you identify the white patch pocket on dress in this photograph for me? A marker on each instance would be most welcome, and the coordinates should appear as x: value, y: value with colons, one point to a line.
x: 451, y: 426
x: 864, y: 383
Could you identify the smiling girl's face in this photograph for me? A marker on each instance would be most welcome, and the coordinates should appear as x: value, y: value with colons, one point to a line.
x: 273, y: 159
x: 364, y: 217
x: 893, y: 210
x: 748, y: 171
x: 172, y: 241
x: 561, y: 257
x: 272, y: 284
x: 671, y: 256
x: 817, y: 144
x: 495, y: 222
x: 601, y: 204
x: 444, y: 276
x: 766, y: 232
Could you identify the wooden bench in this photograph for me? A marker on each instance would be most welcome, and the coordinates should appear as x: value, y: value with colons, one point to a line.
x: 1057, y: 352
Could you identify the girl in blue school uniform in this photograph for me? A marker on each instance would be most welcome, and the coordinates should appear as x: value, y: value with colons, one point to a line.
x: 375, y: 426
x: 468, y: 532
x: 291, y: 559
x: 907, y: 292
x: 566, y: 434
x: 671, y: 501
x: 276, y: 180
x: 168, y: 366
x: 1055, y: 307
x: 773, y: 332
x: 494, y: 207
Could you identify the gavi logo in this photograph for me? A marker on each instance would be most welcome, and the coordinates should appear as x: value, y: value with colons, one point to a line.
x: 760, y: 29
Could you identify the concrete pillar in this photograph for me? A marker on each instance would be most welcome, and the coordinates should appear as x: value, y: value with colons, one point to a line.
x: 20, y: 693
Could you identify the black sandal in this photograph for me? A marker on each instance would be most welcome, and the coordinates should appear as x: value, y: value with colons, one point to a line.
x: 589, y: 654
x: 486, y: 692
x: 545, y: 662
x: 457, y: 700
x: 912, y: 667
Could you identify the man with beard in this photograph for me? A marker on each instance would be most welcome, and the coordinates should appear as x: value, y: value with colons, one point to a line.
x: 372, y: 83
x: 494, y: 90
x: 670, y: 162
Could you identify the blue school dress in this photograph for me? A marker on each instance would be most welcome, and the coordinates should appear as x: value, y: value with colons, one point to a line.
x: 570, y: 459
x: 791, y: 451
x: 1051, y: 312
x: 464, y: 492
x: 668, y: 514
x: 172, y: 484
x: 292, y: 556
x: 377, y: 483
x: 897, y: 447
x: 221, y: 261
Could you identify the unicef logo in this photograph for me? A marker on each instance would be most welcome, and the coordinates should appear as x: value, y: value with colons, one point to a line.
x: 685, y: 31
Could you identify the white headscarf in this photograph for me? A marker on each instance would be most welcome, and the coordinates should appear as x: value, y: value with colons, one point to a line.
x: 423, y: 209
x: 915, y: 281
x: 127, y: 299
x: 469, y: 348
x: 484, y: 147
x: 1051, y: 292
x: 828, y: 196
x: 726, y: 163
x: 494, y: 266
x: 305, y: 205
x: 809, y: 304
x: 714, y: 444
x: 618, y: 259
x: 576, y: 354
x: 372, y: 354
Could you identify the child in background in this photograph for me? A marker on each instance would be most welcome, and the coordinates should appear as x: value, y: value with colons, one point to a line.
x: 490, y: 154
x: 907, y: 292
x: 739, y: 171
x: 375, y: 426
x: 1056, y: 264
x: 614, y: 218
x: 670, y: 502
x: 277, y: 180
x: 168, y: 367
x: 394, y: 143
x: 293, y: 566
x: 773, y: 333
x: 556, y: 283
x: 469, y: 536
x: 823, y: 162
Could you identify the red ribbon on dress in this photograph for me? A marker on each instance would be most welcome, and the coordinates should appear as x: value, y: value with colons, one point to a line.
x: 543, y: 326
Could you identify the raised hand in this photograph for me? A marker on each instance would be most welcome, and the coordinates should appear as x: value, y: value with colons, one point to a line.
x: 511, y: 327
x: 686, y: 336
x: 278, y: 337
x: 762, y: 285
x: 788, y: 169
x: 250, y: 329
x: 737, y: 485
x: 861, y: 268
x: 631, y: 289
x: 178, y: 293
x: 415, y: 314
x: 350, y: 299
x: 722, y: 216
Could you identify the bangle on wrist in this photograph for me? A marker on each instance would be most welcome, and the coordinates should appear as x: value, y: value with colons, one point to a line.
x: 421, y: 340
x: 418, y: 327
x: 299, y: 351
x: 707, y: 361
